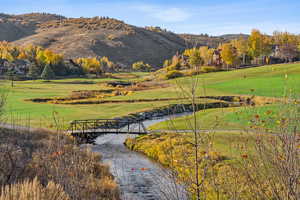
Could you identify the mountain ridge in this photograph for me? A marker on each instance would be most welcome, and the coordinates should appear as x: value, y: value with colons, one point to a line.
x: 98, y: 36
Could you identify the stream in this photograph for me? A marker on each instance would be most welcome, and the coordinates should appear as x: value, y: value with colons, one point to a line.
x: 138, y: 177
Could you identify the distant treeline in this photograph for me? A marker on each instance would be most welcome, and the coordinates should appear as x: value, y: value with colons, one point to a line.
x: 257, y: 49
x: 35, y: 62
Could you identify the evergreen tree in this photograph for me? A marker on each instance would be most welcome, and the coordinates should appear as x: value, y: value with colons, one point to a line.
x: 34, y: 71
x: 11, y: 74
x: 47, y: 73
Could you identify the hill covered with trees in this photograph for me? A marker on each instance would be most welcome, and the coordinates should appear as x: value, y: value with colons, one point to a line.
x: 124, y: 44
x: 90, y: 37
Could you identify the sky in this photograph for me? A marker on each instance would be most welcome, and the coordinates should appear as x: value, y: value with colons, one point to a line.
x: 214, y: 17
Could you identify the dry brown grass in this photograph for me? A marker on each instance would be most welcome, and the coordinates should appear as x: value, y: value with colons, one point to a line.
x: 33, y: 190
x: 53, y: 159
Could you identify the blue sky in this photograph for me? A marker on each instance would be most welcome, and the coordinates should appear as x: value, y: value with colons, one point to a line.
x: 214, y: 17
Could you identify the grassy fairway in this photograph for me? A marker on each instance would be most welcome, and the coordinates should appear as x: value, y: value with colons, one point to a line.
x: 272, y: 81
x: 221, y: 119
x: 41, y: 114
x: 264, y: 81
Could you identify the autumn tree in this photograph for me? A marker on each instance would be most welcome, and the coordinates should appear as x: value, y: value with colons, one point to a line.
x: 259, y: 44
x: 167, y: 63
x: 242, y: 48
x: 22, y: 55
x: 106, y: 65
x: 229, y: 54
x: 195, y: 59
x: 141, y: 66
x: 90, y: 65
x: 189, y: 52
x: 174, y: 64
x: 5, y: 51
x: 206, y: 54
x: 31, y: 52
x: 287, y: 45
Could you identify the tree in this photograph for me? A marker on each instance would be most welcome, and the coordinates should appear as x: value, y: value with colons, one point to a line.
x: 41, y: 58
x: 6, y: 51
x: 22, y: 55
x: 90, y: 65
x: 287, y: 45
x: 167, y: 63
x: 34, y: 71
x: 31, y: 52
x: 206, y: 54
x: 106, y: 65
x: 229, y: 54
x: 242, y: 48
x: 47, y: 73
x: 195, y: 59
x: 259, y: 44
x: 11, y: 73
x: 141, y: 66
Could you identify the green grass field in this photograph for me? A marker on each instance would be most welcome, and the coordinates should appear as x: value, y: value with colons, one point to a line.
x: 262, y: 81
x: 235, y: 118
x: 269, y: 81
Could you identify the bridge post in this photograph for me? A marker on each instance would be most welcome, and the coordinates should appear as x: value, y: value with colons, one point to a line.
x: 83, y: 128
x: 72, y: 129
x: 128, y: 126
x: 139, y: 127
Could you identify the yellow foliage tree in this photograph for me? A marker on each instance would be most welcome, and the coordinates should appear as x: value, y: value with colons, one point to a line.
x: 22, y: 55
x: 206, y: 54
x: 259, y: 44
x: 195, y: 59
x: 229, y: 54
x: 242, y: 47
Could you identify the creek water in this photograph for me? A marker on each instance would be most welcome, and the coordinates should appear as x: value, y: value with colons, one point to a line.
x: 139, y: 178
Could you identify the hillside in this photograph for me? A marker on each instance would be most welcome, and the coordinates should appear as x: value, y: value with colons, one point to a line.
x: 14, y: 27
x: 99, y: 36
x: 210, y: 41
x: 87, y: 37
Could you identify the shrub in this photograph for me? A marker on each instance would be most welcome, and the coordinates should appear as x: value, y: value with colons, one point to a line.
x: 173, y: 67
x: 193, y: 72
x: 207, y: 69
x: 141, y: 66
x: 173, y: 74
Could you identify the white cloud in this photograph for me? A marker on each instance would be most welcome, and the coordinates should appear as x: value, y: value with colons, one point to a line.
x: 165, y: 14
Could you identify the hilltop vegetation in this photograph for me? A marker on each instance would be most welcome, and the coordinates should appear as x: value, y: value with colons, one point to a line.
x: 91, y: 37
x: 257, y: 49
x: 98, y: 36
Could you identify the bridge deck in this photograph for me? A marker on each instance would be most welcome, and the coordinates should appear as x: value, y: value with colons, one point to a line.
x: 94, y: 127
x: 105, y: 132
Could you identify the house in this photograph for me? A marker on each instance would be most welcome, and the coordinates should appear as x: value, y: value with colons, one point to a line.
x: 217, y: 58
x: 20, y: 67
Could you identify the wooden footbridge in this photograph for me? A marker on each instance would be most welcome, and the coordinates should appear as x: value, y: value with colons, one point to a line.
x: 96, y: 127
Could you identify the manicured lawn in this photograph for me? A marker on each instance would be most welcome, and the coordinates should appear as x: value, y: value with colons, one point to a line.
x: 263, y: 81
x: 272, y: 81
x: 41, y: 114
x: 236, y: 118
